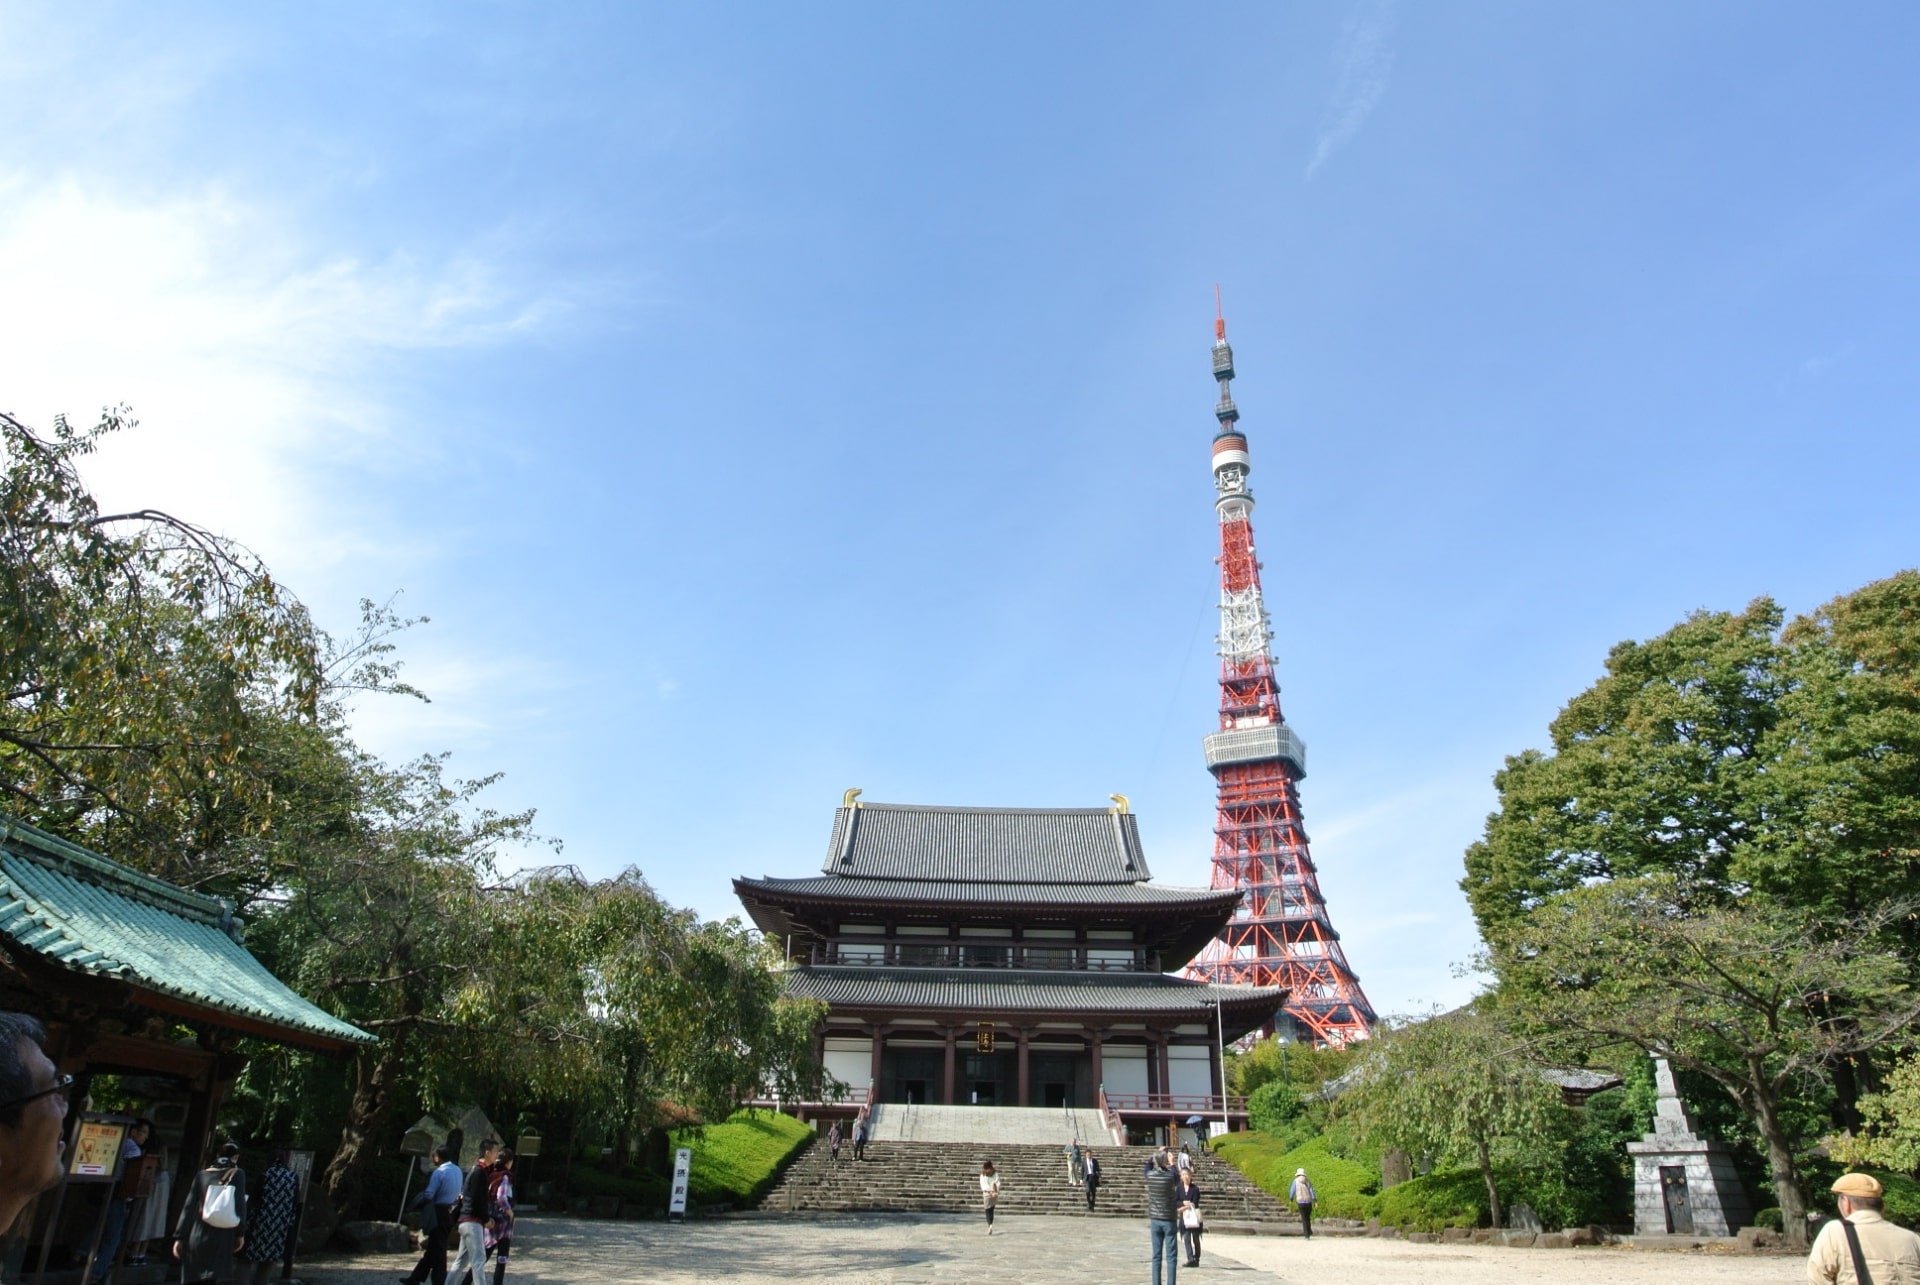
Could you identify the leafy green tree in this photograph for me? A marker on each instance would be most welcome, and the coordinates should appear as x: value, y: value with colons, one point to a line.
x: 1890, y: 1124
x: 135, y: 651
x: 1455, y: 1088
x: 1769, y: 770
x: 1274, y: 1105
x: 1742, y: 993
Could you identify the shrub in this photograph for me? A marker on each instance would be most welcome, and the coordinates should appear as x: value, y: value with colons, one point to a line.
x: 1273, y: 1106
x: 1902, y: 1197
x: 1346, y: 1188
x: 1444, y: 1198
x: 1769, y: 1218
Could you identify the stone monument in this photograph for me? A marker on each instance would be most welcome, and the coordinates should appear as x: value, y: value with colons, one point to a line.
x: 1683, y: 1184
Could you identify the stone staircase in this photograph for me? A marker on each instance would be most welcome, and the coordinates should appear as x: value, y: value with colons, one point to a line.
x: 914, y: 1122
x: 944, y: 1177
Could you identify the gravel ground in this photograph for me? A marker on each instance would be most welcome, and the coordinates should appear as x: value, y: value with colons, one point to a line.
x: 1351, y: 1261
x: 947, y: 1249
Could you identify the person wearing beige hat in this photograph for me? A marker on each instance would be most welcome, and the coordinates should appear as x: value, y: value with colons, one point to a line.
x: 1861, y: 1247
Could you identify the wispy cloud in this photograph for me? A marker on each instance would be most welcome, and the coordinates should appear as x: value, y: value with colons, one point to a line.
x: 1363, y: 64
x: 246, y: 352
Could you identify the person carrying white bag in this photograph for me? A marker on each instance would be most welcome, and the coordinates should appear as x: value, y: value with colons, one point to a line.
x: 211, y: 1218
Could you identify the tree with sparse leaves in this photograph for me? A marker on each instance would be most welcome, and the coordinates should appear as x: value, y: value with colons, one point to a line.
x: 1452, y: 1088
x: 1741, y: 993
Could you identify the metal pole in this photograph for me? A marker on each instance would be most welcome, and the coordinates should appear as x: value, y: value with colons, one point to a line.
x: 1226, y: 1125
x: 406, y: 1185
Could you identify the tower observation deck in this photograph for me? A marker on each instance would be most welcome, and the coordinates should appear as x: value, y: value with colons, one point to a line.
x: 1280, y: 934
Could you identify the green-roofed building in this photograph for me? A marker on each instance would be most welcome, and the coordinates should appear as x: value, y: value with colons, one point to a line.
x: 140, y: 978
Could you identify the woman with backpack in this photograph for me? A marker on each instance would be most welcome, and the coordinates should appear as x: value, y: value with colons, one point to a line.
x: 210, y: 1219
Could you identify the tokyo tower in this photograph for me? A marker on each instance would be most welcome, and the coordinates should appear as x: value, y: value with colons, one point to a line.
x: 1280, y: 935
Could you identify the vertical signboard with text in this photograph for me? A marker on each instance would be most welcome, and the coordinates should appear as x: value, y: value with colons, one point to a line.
x: 682, y: 1171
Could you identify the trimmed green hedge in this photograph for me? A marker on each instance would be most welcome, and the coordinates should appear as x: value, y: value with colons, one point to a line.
x: 1346, y: 1188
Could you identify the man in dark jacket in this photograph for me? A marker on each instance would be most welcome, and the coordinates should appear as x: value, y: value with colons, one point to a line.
x: 476, y: 1207
x: 1163, y: 1200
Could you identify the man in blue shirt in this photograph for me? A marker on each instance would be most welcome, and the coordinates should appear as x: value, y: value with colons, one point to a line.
x: 436, y: 1204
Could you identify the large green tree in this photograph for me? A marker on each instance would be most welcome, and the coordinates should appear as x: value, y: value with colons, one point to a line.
x: 1747, y: 777
x: 1743, y: 993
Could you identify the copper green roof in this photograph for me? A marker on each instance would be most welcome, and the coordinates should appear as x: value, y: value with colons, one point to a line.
x: 78, y: 910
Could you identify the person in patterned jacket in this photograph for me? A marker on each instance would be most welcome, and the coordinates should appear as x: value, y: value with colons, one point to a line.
x: 270, y: 1216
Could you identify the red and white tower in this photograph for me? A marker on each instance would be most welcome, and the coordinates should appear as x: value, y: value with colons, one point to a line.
x: 1280, y: 935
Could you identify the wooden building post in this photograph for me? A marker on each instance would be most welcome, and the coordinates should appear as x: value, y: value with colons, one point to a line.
x: 946, y: 1094
x: 1099, y: 1076
x: 879, y: 1042
x: 1161, y: 1060
x: 1021, y: 1100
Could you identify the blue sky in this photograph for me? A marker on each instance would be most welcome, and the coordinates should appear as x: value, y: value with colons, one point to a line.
x: 764, y: 400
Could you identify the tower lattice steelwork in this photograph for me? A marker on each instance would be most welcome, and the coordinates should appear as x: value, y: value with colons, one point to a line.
x: 1280, y: 935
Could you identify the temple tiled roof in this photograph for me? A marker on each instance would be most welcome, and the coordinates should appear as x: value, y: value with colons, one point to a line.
x: 1124, y: 896
x: 78, y: 910
x: 912, y: 990
x: 986, y: 845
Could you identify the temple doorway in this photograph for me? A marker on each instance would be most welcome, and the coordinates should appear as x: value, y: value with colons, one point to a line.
x: 987, y: 1080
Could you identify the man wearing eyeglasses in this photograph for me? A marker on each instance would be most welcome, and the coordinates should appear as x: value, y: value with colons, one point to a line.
x: 33, y: 1112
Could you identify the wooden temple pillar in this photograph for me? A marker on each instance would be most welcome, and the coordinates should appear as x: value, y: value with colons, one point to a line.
x: 879, y: 1043
x: 1099, y: 1076
x: 1021, y: 1098
x: 1161, y: 1061
x: 946, y: 1091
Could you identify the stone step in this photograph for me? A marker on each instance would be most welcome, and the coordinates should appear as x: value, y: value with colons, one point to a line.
x: 943, y: 1177
x: 919, y: 1122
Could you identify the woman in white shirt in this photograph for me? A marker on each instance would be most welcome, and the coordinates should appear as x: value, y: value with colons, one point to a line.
x: 989, y: 1191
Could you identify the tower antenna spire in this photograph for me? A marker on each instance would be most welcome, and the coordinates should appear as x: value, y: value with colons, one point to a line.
x: 1281, y: 935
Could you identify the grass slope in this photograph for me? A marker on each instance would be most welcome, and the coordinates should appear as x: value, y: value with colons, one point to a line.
x: 1346, y: 1188
x: 734, y: 1163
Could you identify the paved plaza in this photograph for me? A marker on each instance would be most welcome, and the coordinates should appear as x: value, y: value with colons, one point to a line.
x: 937, y: 1249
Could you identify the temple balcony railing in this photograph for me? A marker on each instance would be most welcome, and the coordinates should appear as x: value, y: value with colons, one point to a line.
x: 967, y: 955
x: 1210, y: 1106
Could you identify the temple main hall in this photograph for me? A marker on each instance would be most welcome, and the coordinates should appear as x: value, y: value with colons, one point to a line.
x: 1009, y: 957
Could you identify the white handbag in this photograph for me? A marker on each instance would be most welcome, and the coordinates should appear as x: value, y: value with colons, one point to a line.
x: 219, y: 1208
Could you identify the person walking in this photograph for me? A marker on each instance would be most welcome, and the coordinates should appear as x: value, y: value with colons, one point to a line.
x: 989, y: 1192
x: 833, y: 1142
x: 471, y: 1261
x: 1163, y: 1202
x: 33, y: 1114
x: 1861, y: 1240
x: 1092, y: 1178
x: 151, y: 1222
x: 1185, y: 1159
x: 1300, y: 1192
x: 1075, y: 1164
x: 860, y: 1137
x: 132, y: 1147
x: 270, y: 1220
x: 500, y: 1230
x: 438, y: 1203
x: 1191, y: 1223
x: 210, y: 1226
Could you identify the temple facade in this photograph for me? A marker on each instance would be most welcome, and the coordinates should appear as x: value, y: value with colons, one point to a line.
x: 1009, y: 957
